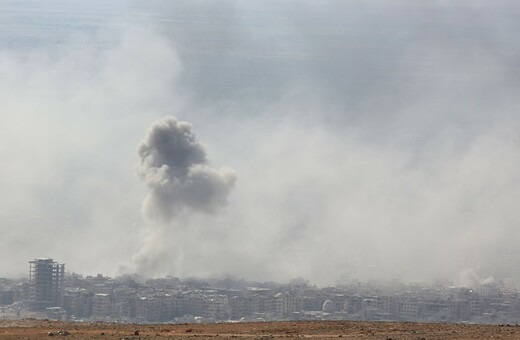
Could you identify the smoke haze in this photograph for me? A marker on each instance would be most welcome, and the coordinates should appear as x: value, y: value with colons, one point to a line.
x: 370, y: 141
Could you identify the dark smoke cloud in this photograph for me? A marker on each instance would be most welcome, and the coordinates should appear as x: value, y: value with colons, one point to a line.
x: 174, y: 165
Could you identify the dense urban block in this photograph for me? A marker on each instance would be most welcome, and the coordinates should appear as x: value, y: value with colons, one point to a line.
x: 49, y: 292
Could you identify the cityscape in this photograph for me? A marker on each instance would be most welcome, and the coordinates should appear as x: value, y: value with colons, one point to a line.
x: 52, y: 293
x: 260, y: 169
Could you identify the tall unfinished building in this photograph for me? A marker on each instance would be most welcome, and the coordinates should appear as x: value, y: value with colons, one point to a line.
x: 46, y: 279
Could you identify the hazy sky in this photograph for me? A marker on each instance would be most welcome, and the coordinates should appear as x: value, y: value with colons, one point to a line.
x: 364, y: 139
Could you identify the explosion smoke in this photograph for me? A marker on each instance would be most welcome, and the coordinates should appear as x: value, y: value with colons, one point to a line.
x: 174, y: 165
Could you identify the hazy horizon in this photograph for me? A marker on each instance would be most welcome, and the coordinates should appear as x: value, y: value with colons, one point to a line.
x: 329, y: 140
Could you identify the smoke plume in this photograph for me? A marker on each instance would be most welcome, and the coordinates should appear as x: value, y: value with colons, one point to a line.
x: 174, y: 165
x: 385, y: 137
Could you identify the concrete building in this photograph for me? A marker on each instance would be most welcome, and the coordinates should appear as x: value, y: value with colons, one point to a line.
x: 102, y: 306
x: 407, y: 308
x: 46, y: 283
x: 240, y: 306
x: 77, y: 302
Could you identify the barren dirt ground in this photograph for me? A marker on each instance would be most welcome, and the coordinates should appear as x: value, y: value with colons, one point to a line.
x: 38, y: 329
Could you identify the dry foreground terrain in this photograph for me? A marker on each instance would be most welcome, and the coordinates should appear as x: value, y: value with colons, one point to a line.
x: 39, y: 329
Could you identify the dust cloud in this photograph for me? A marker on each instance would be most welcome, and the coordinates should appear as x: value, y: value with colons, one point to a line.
x: 371, y: 141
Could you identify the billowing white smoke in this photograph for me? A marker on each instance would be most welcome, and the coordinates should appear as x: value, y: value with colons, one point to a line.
x: 174, y: 165
x: 404, y: 166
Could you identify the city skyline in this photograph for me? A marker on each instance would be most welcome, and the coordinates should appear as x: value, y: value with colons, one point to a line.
x: 50, y: 293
